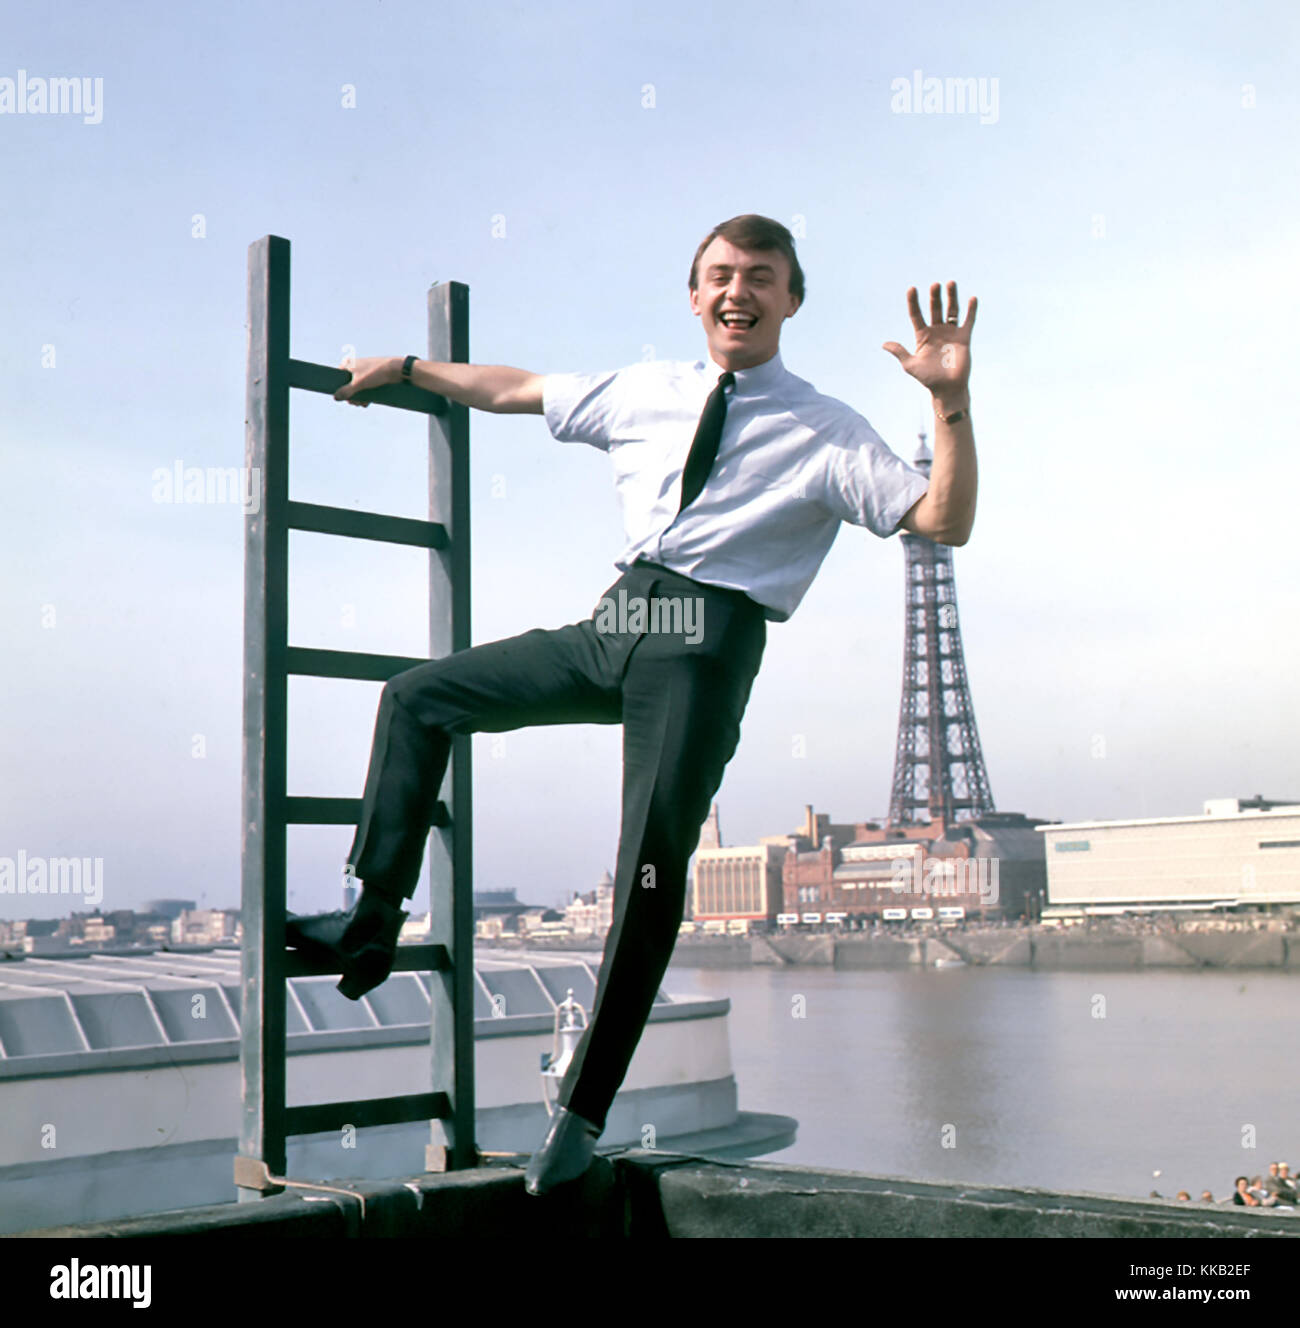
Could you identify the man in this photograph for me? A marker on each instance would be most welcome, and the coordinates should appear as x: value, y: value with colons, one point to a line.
x: 734, y: 477
x: 1260, y: 1190
x: 1277, y: 1184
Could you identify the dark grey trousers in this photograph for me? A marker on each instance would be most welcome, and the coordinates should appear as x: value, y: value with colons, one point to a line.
x: 680, y: 701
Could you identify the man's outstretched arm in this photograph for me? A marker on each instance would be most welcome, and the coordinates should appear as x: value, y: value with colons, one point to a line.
x: 946, y: 512
x: 493, y: 387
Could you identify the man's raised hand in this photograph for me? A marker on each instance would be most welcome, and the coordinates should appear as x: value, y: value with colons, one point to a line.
x: 379, y: 371
x: 941, y: 360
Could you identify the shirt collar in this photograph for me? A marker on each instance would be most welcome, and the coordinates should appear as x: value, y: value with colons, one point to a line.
x: 758, y: 378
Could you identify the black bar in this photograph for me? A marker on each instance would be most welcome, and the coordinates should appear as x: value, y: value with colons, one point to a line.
x: 366, y: 525
x: 371, y: 1111
x: 355, y: 664
x: 403, y: 396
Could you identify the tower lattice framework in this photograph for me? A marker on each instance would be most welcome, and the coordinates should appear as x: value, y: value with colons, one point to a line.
x: 939, y: 772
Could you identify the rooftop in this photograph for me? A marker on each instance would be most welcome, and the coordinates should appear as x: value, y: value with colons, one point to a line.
x: 85, y: 1005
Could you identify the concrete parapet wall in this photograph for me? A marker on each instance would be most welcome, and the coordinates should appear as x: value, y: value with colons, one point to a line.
x: 717, y: 952
x: 648, y: 1194
x: 1166, y: 952
x: 763, y: 952
x: 878, y: 952
x: 1059, y: 950
x: 1019, y: 953
x: 987, y: 947
x: 1223, y: 949
x: 762, y: 1201
x: 1076, y: 952
x: 818, y: 951
x: 936, y: 950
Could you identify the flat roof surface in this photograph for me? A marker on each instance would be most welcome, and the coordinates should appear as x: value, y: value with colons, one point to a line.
x: 1204, y: 818
x: 95, y: 1002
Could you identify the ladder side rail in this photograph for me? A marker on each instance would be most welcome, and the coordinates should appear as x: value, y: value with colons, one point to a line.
x: 263, y: 835
x: 451, y: 900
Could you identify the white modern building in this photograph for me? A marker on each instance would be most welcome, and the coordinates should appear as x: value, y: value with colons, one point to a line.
x: 1238, y: 852
x: 740, y: 885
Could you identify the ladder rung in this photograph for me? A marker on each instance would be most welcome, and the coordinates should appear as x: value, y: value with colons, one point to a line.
x: 404, y: 396
x: 422, y: 959
x: 354, y: 664
x: 371, y: 1111
x: 367, y: 525
x: 409, y: 959
x: 342, y: 811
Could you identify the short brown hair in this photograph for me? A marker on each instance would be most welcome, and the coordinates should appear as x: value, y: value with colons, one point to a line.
x: 751, y: 231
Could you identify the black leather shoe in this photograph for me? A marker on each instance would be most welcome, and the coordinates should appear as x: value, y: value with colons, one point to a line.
x: 565, y: 1155
x: 362, y: 942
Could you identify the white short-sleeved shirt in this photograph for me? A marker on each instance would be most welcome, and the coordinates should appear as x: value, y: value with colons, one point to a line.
x: 792, y: 465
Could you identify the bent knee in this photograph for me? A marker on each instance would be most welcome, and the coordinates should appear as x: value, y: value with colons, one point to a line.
x: 419, y: 691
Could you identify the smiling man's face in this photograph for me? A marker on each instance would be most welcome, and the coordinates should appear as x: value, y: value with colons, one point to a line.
x: 742, y: 298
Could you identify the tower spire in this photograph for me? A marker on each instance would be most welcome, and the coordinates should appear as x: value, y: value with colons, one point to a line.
x: 936, y: 720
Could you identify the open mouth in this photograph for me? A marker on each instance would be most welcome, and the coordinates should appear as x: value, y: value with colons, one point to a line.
x: 737, y: 322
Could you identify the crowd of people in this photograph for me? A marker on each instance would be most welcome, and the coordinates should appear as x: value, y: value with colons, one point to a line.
x: 1279, y: 1189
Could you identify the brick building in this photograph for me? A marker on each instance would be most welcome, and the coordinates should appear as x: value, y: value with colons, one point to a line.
x: 857, y: 874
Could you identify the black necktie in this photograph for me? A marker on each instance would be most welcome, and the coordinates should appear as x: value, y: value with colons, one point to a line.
x: 704, y: 449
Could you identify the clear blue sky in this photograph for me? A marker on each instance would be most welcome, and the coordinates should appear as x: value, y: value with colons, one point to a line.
x: 1129, y: 596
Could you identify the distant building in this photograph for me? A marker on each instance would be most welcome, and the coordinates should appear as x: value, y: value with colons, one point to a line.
x: 592, y: 914
x: 860, y: 873
x: 170, y: 909
x: 540, y: 922
x: 44, y: 945
x: 497, y: 912
x: 38, y: 935
x: 738, y: 884
x: 94, y: 931
x: 711, y: 830
x: 120, y: 928
x: 987, y: 868
x: 415, y: 930
x: 206, y: 926
x: 1237, y: 853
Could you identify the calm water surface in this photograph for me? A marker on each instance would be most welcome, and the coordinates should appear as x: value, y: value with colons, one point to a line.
x: 1039, y: 1090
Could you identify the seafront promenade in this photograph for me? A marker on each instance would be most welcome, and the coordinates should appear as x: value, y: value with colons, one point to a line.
x: 1008, y: 947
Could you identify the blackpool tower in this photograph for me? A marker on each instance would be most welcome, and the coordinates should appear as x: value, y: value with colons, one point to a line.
x: 939, y: 773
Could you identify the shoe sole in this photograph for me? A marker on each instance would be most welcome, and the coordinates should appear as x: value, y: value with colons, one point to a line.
x: 359, y: 975
x: 572, y: 1184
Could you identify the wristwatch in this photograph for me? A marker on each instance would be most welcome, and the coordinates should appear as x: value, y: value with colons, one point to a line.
x: 407, y: 365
